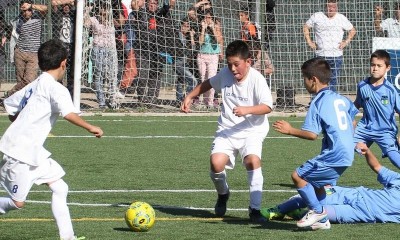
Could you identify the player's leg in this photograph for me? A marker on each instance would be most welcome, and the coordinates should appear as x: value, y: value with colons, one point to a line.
x: 251, y: 152
x: 17, y: 179
x: 390, y: 149
x: 222, y: 156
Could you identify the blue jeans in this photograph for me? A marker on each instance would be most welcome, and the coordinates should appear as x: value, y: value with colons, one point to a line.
x: 185, y: 77
x: 336, y: 64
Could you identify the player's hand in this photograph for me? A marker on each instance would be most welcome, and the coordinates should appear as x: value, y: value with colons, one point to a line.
x: 239, y: 111
x: 361, y: 148
x: 343, y: 44
x: 378, y: 11
x: 96, y: 131
x: 282, y: 126
x: 185, y: 106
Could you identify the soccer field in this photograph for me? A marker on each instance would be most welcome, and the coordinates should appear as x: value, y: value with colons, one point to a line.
x: 165, y: 161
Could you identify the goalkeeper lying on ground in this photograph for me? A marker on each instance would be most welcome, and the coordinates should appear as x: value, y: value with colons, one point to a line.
x: 353, y: 204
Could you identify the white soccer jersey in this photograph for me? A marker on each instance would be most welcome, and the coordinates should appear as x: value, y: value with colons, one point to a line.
x: 39, y: 104
x: 250, y: 92
x: 329, y: 33
x: 392, y: 26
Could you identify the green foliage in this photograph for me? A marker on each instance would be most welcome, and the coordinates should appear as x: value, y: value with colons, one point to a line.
x: 171, y: 153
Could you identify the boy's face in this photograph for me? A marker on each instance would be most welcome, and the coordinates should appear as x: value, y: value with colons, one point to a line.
x: 243, y: 17
x: 309, y: 84
x: 378, y: 68
x: 239, y: 67
x: 331, y: 9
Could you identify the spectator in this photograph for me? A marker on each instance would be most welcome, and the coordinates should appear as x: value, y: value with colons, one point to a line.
x: 211, y: 45
x: 203, y: 6
x: 5, y: 32
x: 130, y: 69
x: 195, y: 24
x: 270, y: 22
x: 380, y: 102
x: 242, y: 125
x: 63, y: 20
x: 391, y: 26
x: 184, y: 46
x: 249, y: 33
x: 34, y: 110
x: 149, y: 44
x: 29, y: 29
x: 120, y: 15
x: 104, y: 55
x: 329, y: 43
x: 354, y: 204
x: 332, y: 115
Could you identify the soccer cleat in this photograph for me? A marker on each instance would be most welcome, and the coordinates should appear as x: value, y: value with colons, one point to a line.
x: 297, y: 214
x: 74, y: 238
x: 119, y: 95
x: 272, y: 213
x: 220, y: 206
x: 323, y: 226
x: 256, y: 216
x: 311, y: 217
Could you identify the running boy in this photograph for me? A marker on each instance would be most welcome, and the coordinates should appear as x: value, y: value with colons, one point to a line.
x: 242, y: 125
x: 379, y: 100
x: 34, y: 110
x: 333, y: 115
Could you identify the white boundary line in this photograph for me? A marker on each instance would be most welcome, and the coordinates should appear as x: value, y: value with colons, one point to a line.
x: 158, y: 191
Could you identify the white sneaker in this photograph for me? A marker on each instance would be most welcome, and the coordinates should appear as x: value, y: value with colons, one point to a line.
x: 119, y: 95
x: 311, y: 217
x: 319, y: 225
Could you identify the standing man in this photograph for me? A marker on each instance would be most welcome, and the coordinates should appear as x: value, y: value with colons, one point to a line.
x: 329, y: 30
x: 391, y: 26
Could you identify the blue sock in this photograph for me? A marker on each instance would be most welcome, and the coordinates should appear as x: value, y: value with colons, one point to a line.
x: 394, y: 157
x: 291, y: 205
x: 310, y: 198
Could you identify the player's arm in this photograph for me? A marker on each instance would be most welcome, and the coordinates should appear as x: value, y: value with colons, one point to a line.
x: 37, y: 7
x: 260, y: 109
x: 75, y: 119
x: 350, y: 36
x: 372, y: 161
x: 199, y: 89
x: 284, y: 127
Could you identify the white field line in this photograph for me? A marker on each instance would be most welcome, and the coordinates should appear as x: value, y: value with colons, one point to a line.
x: 149, y: 137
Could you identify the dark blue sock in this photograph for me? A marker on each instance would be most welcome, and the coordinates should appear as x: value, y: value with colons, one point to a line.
x: 291, y: 205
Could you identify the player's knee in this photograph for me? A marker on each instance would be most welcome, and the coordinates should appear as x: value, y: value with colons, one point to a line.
x: 18, y: 205
x: 59, y: 187
x: 295, y: 177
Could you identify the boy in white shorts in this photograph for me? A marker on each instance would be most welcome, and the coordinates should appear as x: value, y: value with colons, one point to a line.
x: 34, y: 110
x: 242, y: 125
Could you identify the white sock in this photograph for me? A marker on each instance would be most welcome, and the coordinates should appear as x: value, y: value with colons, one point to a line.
x: 6, y: 204
x: 256, y: 181
x: 219, y: 180
x: 61, y: 210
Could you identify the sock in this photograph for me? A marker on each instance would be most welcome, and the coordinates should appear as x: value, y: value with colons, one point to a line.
x: 60, y: 209
x: 6, y: 204
x: 219, y: 180
x: 310, y: 198
x: 394, y: 157
x: 256, y: 181
x: 291, y: 204
x: 331, y: 213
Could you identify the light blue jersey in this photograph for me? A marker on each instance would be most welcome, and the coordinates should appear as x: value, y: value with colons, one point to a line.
x: 333, y: 115
x: 362, y: 204
x: 379, y: 106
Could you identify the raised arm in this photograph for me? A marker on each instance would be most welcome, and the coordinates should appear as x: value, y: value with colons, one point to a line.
x: 372, y: 161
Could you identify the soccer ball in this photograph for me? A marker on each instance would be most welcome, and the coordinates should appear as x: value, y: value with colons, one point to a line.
x: 140, y: 216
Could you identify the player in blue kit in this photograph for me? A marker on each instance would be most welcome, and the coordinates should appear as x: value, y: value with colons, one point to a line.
x: 355, y: 204
x: 332, y: 115
x: 380, y: 101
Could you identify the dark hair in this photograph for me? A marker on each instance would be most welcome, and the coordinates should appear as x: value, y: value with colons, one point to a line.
x: 381, y: 54
x: 51, y: 54
x: 25, y: 1
x: 245, y: 10
x: 184, y: 20
x: 317, y: 67
x: 238, y: 48
x: 396, y: 6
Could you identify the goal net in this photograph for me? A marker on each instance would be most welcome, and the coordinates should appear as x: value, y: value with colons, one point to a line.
x: 132, y: 59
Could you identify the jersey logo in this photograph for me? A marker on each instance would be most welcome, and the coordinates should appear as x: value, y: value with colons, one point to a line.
x: 385, y: 100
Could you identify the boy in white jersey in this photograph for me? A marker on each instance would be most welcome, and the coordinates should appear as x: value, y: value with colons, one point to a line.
x: 242, y: 125
x: 34, y: 110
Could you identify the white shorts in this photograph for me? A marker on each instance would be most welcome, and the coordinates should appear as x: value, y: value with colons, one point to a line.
x: 232, y: 146
x: 17, y: 178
